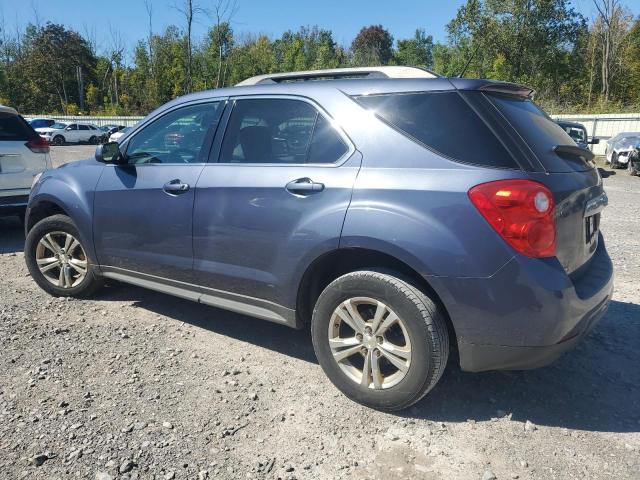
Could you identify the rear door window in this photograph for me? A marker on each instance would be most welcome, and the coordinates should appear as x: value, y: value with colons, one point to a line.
x: 540, y: 133
x: 280, y: 131
x: 443, y: 122
x: 14, y: 128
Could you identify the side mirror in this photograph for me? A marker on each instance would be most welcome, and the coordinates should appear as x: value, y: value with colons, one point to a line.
x: 109, y: 153
x: 594, y: 141
x: 67, y: 129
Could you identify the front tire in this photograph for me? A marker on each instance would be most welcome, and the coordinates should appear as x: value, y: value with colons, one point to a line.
x: 381, y: 341
x: 58, y: 140
x: 93, y: 140
x: 57, y: 260
x: 631, y: 167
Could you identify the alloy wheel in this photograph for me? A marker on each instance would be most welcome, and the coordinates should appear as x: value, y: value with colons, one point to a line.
x: 370, y: 343
x: 61, y: 259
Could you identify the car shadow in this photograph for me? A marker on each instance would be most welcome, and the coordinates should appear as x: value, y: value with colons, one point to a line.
x: 11, y: 235
x: 273, y: 336
x: 594, y: 387
x: 606, y: 173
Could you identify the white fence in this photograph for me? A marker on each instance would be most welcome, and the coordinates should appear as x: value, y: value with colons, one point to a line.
x: 605, y: 126
x: 99, y: 121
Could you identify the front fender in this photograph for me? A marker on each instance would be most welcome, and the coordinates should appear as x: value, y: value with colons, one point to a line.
x: 71, y: 188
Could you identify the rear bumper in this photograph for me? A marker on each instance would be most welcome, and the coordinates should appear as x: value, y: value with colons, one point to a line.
x: 476, y: 358
x: 527, y: 314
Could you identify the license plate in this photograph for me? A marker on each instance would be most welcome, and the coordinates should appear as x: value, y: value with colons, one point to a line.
x: 592, y: 223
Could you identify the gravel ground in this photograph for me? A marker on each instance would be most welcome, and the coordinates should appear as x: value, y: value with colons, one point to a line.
x: 136, y: 384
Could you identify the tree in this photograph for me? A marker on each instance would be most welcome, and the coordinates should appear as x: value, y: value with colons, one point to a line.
x: 189, y: 10
x: 217, y: 50
x: 50, y: 61
x: 416, y: 51
x: 372, y: 46
x: 309, y: 48
x: 222, y: 35
x: 503, y: 39
x: 614, y: 26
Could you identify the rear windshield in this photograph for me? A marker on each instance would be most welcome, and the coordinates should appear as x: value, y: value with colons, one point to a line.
x: 14, y: 128
x: 540, y: 133
x: 443, y: 122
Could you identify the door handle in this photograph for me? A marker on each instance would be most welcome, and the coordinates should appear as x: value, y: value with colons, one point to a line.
x: 304, y: 186
x: 176, y: 187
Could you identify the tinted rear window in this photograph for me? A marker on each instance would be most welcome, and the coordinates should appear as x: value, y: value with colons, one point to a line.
x: 443, y: 122
x: 539, y: 132
x: 14, y: 128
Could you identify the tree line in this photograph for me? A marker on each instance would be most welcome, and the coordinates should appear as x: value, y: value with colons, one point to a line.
x: 574, y: 63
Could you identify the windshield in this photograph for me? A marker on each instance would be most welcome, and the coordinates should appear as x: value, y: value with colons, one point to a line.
x: 58, y: 126
x: 627, y: 142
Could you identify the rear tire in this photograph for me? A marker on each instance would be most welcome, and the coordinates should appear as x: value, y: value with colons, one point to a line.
x: 57, y: 260
x: 403, y: 361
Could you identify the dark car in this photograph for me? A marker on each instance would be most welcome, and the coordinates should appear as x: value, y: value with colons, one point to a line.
x: 41, y: 122
x: 633, y: 166
x: 578, y: 133
x: 395, y: 213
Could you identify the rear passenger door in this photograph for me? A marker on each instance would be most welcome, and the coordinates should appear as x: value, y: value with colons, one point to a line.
x: 273, y: 197
x: 71, y: 133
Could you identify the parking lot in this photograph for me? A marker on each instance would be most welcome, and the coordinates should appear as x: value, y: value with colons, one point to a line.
x: 136, y: 384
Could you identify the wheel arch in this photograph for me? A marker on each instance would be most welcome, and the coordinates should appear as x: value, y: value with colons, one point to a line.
x: 331, y: 265
x: 41, y: 210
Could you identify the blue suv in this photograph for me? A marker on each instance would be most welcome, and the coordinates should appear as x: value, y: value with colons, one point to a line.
x: 398, y: 214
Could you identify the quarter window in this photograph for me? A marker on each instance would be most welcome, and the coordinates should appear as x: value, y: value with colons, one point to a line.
x: 177, y: 137
x: 442, y: 121
x: 280, y: 131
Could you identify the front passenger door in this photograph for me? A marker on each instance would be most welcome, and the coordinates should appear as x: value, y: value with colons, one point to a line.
x: 143, y: 208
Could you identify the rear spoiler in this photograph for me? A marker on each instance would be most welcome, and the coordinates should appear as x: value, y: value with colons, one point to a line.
x: 490, y: 86
x: 574, y: 151
x: 512, y: 89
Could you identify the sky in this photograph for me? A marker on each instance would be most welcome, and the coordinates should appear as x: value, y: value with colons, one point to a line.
x: 98, y: 18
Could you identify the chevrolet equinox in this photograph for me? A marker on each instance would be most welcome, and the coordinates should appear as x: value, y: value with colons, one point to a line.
x: 397, y: 213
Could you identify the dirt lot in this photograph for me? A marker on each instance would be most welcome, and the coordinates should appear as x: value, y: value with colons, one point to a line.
x: 136, y: 384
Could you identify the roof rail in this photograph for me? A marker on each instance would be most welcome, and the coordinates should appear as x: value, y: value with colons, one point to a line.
x: 339, y: 73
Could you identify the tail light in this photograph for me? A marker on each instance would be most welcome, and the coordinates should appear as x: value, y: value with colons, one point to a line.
x: 38, y: 145
x: 522, y: 212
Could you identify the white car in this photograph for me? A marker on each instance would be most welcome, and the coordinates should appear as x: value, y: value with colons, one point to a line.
x: 118, y: 135
x: 619, y: 148
x: 60, y: 133
x: 24, y: 155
